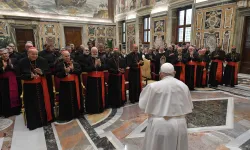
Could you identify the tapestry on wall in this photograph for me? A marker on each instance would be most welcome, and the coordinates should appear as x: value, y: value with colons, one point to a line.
x: 213, y: 19
x: 110, y: 31
x: 3, y: 29
x: 159, y: 26
x: 215, y: 26
x: 91, y: 31
x: 211, y: 40
x: 158, y: 41
x: 49, y: 29
x: 100, y: 31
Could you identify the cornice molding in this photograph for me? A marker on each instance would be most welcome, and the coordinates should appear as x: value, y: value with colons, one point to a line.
x: 211, y: 2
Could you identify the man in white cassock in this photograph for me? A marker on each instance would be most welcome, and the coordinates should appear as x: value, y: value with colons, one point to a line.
x: 166, y: 102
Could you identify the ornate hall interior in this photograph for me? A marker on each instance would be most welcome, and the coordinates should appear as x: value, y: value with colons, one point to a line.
x: 221, y: 116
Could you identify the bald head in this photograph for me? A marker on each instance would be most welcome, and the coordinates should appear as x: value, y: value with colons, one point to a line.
x: 32, y: 53
x: 66, y: 56
x: 135, y: 48
x: 94, y: 52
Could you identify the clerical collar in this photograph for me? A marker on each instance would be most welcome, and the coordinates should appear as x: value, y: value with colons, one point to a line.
x: 161, y: 52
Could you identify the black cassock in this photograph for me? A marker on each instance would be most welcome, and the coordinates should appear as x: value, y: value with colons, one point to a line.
x: 83, y: 61
x: 134, y: 76
x: 10, y: 103
x: 95, y: 100
x: 216, y: 68
x: 51, y: 58
x: 179, y: 68
x: 38, y: 110
x: 201, y: 71
x: 231, y: 70
x: 190, y: 68
x: 158, y: 63
x: 116, y: 83
x: 69, y: 106
x: 172, y: 56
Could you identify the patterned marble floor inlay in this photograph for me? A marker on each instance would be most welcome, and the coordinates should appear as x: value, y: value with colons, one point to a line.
x: 220, y: 121
x: 208, y: 113
x: 7, y: 133
x: 71, y: 136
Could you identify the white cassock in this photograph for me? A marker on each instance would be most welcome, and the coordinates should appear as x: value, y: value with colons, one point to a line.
x: 166, y: 98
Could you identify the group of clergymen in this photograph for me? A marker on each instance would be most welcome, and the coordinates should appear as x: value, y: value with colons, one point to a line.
x: 83, y: 69
x: 197, y: 67
x: 31, y: 73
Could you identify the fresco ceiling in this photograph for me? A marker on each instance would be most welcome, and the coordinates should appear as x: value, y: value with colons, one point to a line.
x: 128, y: 5
x: 77, y: 8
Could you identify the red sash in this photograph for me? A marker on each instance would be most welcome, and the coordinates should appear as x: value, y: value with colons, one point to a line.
x: 204, y: 73
x: 123, y: 85
x: 193, y: 63
x: 182, y: 75
x: 219, y: 70
x: 234, y: 64
x: 43, y: 82
x: 99, y: 74
x: 13, y: 88
x: 73, y: 77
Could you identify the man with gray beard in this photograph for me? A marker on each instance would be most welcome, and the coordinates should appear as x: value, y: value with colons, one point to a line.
x: 95, y: 94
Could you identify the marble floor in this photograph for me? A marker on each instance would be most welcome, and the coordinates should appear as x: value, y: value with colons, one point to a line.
x: 220, y: 121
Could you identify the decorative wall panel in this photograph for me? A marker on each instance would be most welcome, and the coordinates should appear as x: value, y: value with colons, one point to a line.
x: 130, y: 35
x: 49, y: 33
x: 215, y: 26
x: 101, y: 34
x: 3, y: 28
x: 159, y: 31
x: 228, y: 17
x: 199, y: 22
x: 213, y: 19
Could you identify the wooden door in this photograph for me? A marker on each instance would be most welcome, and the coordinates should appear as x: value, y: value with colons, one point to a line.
x: 245, y: 56
x: 22, y: 36
x: 73, y: 35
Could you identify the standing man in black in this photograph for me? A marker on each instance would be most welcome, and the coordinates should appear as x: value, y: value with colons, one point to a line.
x: 50, y: 57
x: 134, y: 62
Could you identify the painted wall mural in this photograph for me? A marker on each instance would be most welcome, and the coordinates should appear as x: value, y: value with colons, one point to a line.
x: 101, y: 34
x: 215, y: 26
x: 80, y: 8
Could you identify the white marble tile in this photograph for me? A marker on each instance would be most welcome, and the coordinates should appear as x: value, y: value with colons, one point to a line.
x: 239, y: 140
x: 245, y: 123
x: 111, y: 121
x: 56, y: 136
x: 1, y: 142
x: 87, y: 135
x: 24, y: 139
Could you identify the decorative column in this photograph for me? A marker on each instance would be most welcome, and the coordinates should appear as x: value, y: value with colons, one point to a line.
x: 169, y: 26
x: 137, y: 27
x: 193, y: 24
x: 117, y: 33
